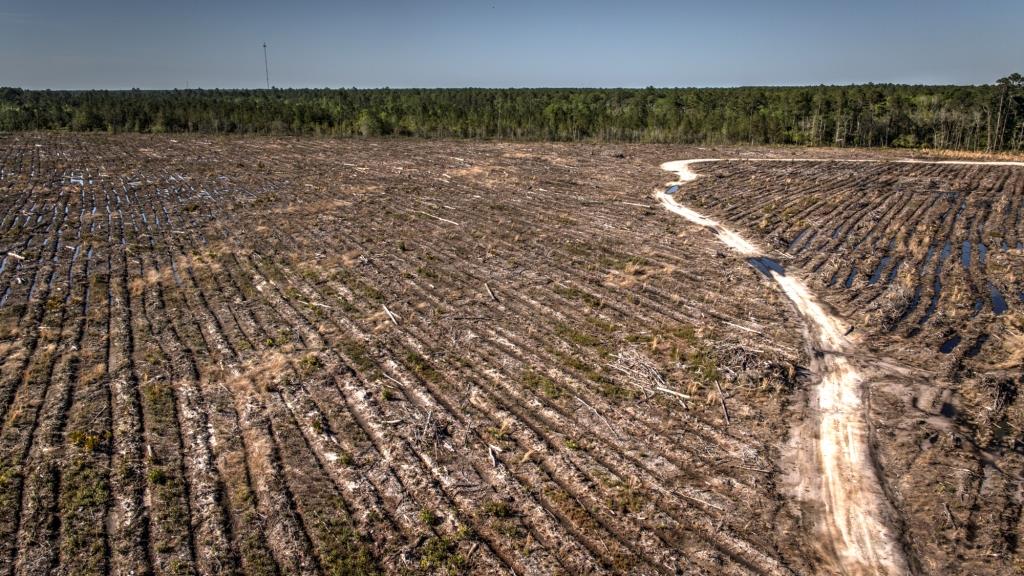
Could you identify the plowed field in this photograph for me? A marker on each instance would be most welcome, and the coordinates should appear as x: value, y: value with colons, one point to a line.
x: 304, y: 356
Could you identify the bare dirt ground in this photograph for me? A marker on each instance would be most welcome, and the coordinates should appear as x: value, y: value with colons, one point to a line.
x: 293, y: 356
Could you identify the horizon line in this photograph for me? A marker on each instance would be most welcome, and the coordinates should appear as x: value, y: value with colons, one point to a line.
x: 471, y: 87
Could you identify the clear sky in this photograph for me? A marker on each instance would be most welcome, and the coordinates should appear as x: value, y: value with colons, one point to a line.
x: 496, y: 43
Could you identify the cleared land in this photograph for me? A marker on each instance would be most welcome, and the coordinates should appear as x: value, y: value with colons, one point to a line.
x: 305, y: 356
x: 881, y: 214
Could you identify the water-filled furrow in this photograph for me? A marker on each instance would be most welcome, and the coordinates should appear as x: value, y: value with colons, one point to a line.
x: 766, y: 266
x: 892, y: 273
x: 918, y: 288
x: 877, y: 273
x: 998, y: 302
x: 849, y: 279
x: 950, y: 344
x: 976, y: 347
x: 947, y: 249
x: 927, y: 258
x: 804, y: 242
x: 796, y: 239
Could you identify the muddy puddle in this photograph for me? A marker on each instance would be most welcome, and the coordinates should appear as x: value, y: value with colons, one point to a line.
x: 950, y: 344
x: 877, y: 273
x: 849, y: 279
x: 998, y: 302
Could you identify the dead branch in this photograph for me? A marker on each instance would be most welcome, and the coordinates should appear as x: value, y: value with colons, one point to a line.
x: 751, y: 468
x: 491, y: 450
x: 949, y: 516
x: 742, y: 327
x: 308, y: 303
x: 699, y: 501
x: 438, y: 217
x: 389, y: 377
x: 673, y: 392
x: 642, y: 373
x: 390, y: 315
x: 599, y: 415
x: 721, y: 399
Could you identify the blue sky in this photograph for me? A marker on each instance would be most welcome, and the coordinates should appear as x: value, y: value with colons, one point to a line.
x: 494, y: 43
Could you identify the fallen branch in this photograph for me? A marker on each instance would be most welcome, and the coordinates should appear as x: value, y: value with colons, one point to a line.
x: 721, y: 398
x: 438, y: 217
x: 949, y: 515
x: 599, y: 415
x: 643, y: 374
x: 751, y: 468
x: 489, y: 292
x: 308, y: 303
x: 390, y: 315
x: 742, y: 327
x: 491, y: 450
x: 673, y: 392
x: 386, y: 375
x: 699, y: 501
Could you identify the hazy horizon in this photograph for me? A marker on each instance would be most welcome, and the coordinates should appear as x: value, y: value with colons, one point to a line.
x: 272, y: 88
x: 116, y: 45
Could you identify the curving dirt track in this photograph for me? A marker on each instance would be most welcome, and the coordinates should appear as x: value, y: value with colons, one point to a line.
x: 834, y: 463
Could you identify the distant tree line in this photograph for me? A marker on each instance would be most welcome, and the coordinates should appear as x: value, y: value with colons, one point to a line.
x: 989, y: 117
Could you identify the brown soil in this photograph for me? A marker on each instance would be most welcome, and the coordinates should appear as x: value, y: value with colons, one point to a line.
x: 280, y: 356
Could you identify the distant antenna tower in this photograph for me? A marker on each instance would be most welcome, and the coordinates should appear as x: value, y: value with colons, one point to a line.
x: 266, y: 67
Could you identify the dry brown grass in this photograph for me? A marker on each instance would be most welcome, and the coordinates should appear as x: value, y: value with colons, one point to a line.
x: 261, y: 374
x: 1013, y: 342
x: 93, y: 374
x: 151, y: 278
x: 634, y: 273
x: 968, y: 155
